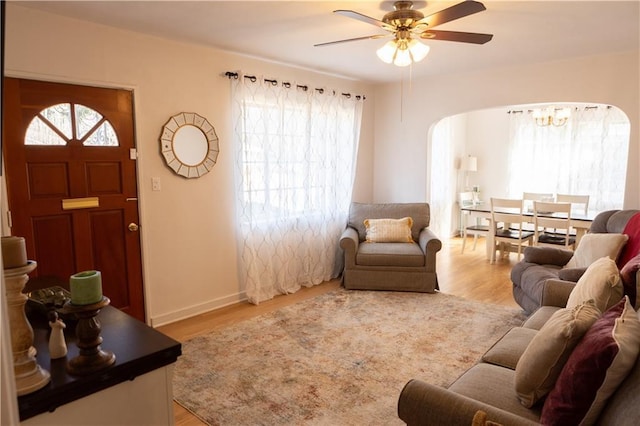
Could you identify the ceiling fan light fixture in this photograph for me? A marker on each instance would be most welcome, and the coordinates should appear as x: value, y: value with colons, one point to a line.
x: 402, y: 58
x: 387, y: 52
x: 418, y: 50
x: 404, y: 24
x: 402, y: 53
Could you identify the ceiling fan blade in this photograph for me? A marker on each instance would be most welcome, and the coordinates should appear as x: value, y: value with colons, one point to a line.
x: 364, y: 18
x: 352, y: 39
x: 475, y: 38
x: 452, y: 13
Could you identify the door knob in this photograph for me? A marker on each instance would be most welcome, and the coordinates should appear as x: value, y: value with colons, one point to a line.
x: 133, y: 227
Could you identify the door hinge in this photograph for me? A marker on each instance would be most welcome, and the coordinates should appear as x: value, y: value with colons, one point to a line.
x: 133, y: 154
x: 9, y: 221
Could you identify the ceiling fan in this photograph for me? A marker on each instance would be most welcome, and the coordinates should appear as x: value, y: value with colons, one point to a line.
x: 404, y: 23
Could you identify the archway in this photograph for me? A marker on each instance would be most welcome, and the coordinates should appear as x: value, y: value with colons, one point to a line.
x: 587, y: 154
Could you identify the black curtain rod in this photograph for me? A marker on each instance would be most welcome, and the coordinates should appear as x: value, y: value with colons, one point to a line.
x: 511, y: 111
x: 286, y: 84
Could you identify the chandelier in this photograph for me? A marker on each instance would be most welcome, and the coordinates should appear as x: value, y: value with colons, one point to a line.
x: 551, y: 116
x: 403, y: 50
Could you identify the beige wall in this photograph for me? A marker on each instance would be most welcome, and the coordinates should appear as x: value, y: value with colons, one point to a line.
x: 188, y: 233
x: 189, y: 246
x: 403, y: 140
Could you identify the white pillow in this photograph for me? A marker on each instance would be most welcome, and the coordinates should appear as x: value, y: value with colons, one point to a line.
x: 389, y: 230
x: 600, y: 282
x: 594, y: 246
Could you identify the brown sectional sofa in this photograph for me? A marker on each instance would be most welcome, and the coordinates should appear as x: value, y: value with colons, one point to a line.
x: 489, y: 386
x: 600, y: 292
x: 543, y: 264
x: 544, y: 286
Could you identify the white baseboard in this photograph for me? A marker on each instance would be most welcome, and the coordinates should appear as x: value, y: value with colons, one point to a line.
x: 197, y: 309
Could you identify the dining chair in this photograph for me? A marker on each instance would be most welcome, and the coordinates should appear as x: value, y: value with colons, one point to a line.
x: 579, y: 203
x: 508, y: 212
x: 529, y: 197
x: 528, y: 200
x: 466, y: 199
x: 552, y: 223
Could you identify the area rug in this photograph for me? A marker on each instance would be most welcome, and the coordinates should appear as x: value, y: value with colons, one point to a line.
x: 341, y: 358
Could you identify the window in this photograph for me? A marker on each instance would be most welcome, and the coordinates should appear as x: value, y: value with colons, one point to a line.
x: 295, y: 160
x: 586, y: 156
x: 63, y: 123
x: 288, y: 166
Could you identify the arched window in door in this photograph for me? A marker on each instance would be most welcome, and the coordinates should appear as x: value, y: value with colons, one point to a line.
x: 62, y: 123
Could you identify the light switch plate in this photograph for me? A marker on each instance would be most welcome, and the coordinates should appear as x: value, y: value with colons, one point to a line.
x: 155, y: 184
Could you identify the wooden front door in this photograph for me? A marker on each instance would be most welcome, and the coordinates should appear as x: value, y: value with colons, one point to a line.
x: 71, y: 182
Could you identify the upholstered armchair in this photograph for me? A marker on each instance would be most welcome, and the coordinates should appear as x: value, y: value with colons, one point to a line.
x: 399, y: 266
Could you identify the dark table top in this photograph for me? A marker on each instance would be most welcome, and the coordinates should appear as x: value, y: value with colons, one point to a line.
x: 138, y: 348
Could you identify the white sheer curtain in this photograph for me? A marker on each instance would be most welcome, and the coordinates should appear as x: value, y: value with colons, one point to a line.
x: 295, y: 151
x: 586, y: 156
x: 443, y: 179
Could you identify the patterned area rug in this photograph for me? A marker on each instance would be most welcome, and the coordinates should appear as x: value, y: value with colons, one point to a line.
x: 341, y: 358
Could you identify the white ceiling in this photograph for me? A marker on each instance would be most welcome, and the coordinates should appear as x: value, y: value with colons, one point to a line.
x: 285, y: 31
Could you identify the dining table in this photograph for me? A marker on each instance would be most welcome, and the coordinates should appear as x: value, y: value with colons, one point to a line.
x: 579, y: 221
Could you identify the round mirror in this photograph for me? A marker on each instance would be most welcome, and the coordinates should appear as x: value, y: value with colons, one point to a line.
x: 189, y: 144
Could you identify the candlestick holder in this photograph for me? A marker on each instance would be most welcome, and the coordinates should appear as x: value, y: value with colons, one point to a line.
x: 91, y: 357
x: 28, y: 374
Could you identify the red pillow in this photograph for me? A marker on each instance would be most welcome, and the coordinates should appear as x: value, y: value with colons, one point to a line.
x: 629, y: 275
x: 595, y: 368
x: 632, y: 229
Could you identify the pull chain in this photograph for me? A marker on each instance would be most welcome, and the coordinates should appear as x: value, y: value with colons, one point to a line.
x: 401, y: 94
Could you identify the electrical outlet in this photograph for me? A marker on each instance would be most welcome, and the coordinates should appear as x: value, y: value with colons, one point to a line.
x: 155, y: 184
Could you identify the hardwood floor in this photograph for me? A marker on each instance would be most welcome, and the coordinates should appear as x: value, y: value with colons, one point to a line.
x: 468, y: 275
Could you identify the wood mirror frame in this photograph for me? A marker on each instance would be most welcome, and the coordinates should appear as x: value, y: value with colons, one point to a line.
x: 189, y: 144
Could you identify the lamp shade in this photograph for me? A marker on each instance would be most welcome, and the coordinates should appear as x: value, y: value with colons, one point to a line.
x: 418, y: 50
x: 387, y: 52
x: 469, y: 164
x: 403, y: 58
